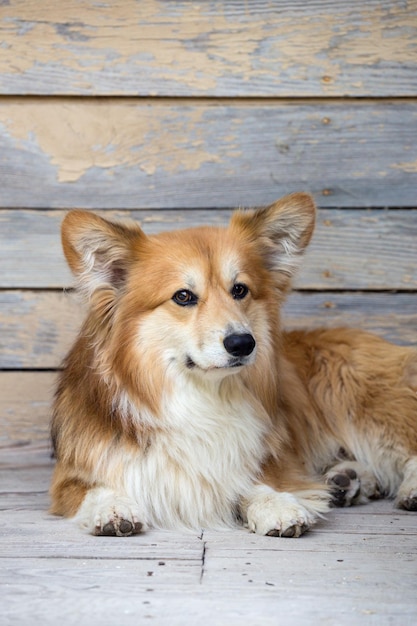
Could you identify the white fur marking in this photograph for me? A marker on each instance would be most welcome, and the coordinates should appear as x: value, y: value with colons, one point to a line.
x: 269, y: 510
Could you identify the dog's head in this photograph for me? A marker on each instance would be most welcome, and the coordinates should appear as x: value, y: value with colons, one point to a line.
x: 202, y: 300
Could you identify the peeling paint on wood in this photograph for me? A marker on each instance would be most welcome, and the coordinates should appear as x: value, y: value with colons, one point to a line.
x: 101, y: 136
x: 141, y: 154
x: 409, y: 166
x: 154, y: 47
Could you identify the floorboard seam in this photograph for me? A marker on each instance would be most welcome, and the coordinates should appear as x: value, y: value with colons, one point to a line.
x: 203, y: 558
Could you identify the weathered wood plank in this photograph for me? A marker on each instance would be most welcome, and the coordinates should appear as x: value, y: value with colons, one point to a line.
x: 37, y: 328
x: 57, y: 537
x: 120, y: 577
x: 392, y: 316
x: 52, y: 602
x: 345, y: 572
x: 155, y: 47
x: 369, y: 249
x: 28, y: 456
x: 25, y: 400
x: 117, y: 153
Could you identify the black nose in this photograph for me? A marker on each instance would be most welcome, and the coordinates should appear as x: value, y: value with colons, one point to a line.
x: 239, y: 345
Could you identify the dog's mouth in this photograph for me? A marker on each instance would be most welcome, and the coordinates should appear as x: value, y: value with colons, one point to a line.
x: 232, y: 363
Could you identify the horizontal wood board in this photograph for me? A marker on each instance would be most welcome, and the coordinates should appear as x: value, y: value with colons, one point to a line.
x: 37, y: 328
x: 350, y: 249
x: 126, y: 153
x: 103, y: 595
x: 158, y: 47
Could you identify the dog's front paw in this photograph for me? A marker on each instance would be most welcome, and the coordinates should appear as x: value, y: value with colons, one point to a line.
x: 104, y: 513
x: 278, y: 514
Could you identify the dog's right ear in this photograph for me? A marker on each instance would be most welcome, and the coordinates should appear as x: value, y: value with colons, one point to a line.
x: 281, y: 231
x: 98, y: 252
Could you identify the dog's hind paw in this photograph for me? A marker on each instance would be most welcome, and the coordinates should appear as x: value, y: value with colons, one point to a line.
x: 408, y: 503
x: 351, y: 483
x: 407, y: 493
x: 344, y: 486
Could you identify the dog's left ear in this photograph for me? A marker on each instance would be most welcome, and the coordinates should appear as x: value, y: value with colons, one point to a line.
x: 281, y: 231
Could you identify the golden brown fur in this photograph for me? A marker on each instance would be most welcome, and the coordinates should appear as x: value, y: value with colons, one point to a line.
x: 158, y: 421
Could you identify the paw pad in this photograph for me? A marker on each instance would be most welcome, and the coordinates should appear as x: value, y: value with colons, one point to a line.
x: 345, y: 487
x: 292, y: 531
x: 118, y: 528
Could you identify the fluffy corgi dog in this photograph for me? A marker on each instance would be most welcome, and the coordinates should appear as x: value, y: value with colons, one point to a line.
x: 183, y: 404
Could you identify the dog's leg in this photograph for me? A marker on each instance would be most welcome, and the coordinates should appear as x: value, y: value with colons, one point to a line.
x: 283, y: 514
x: 103, y: 512
x: 407, y: 493
x: 352, y: 483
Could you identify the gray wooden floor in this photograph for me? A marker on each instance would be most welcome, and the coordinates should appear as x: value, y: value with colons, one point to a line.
x: 357, y: 567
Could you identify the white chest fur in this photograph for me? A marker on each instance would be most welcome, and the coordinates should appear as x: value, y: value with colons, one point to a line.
x: 202, y: 460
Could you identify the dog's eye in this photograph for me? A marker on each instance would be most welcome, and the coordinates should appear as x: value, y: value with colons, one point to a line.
x: 184, y: 297
x: 239, y: 291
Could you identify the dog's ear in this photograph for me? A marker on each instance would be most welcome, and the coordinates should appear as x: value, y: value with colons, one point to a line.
x: 98, y: 252
x: 281, y: 231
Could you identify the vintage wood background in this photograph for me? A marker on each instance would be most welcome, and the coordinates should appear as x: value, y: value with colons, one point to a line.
x: 175, y: 112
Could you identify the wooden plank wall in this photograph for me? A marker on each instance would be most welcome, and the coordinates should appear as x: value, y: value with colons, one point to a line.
x: 174, y: 112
